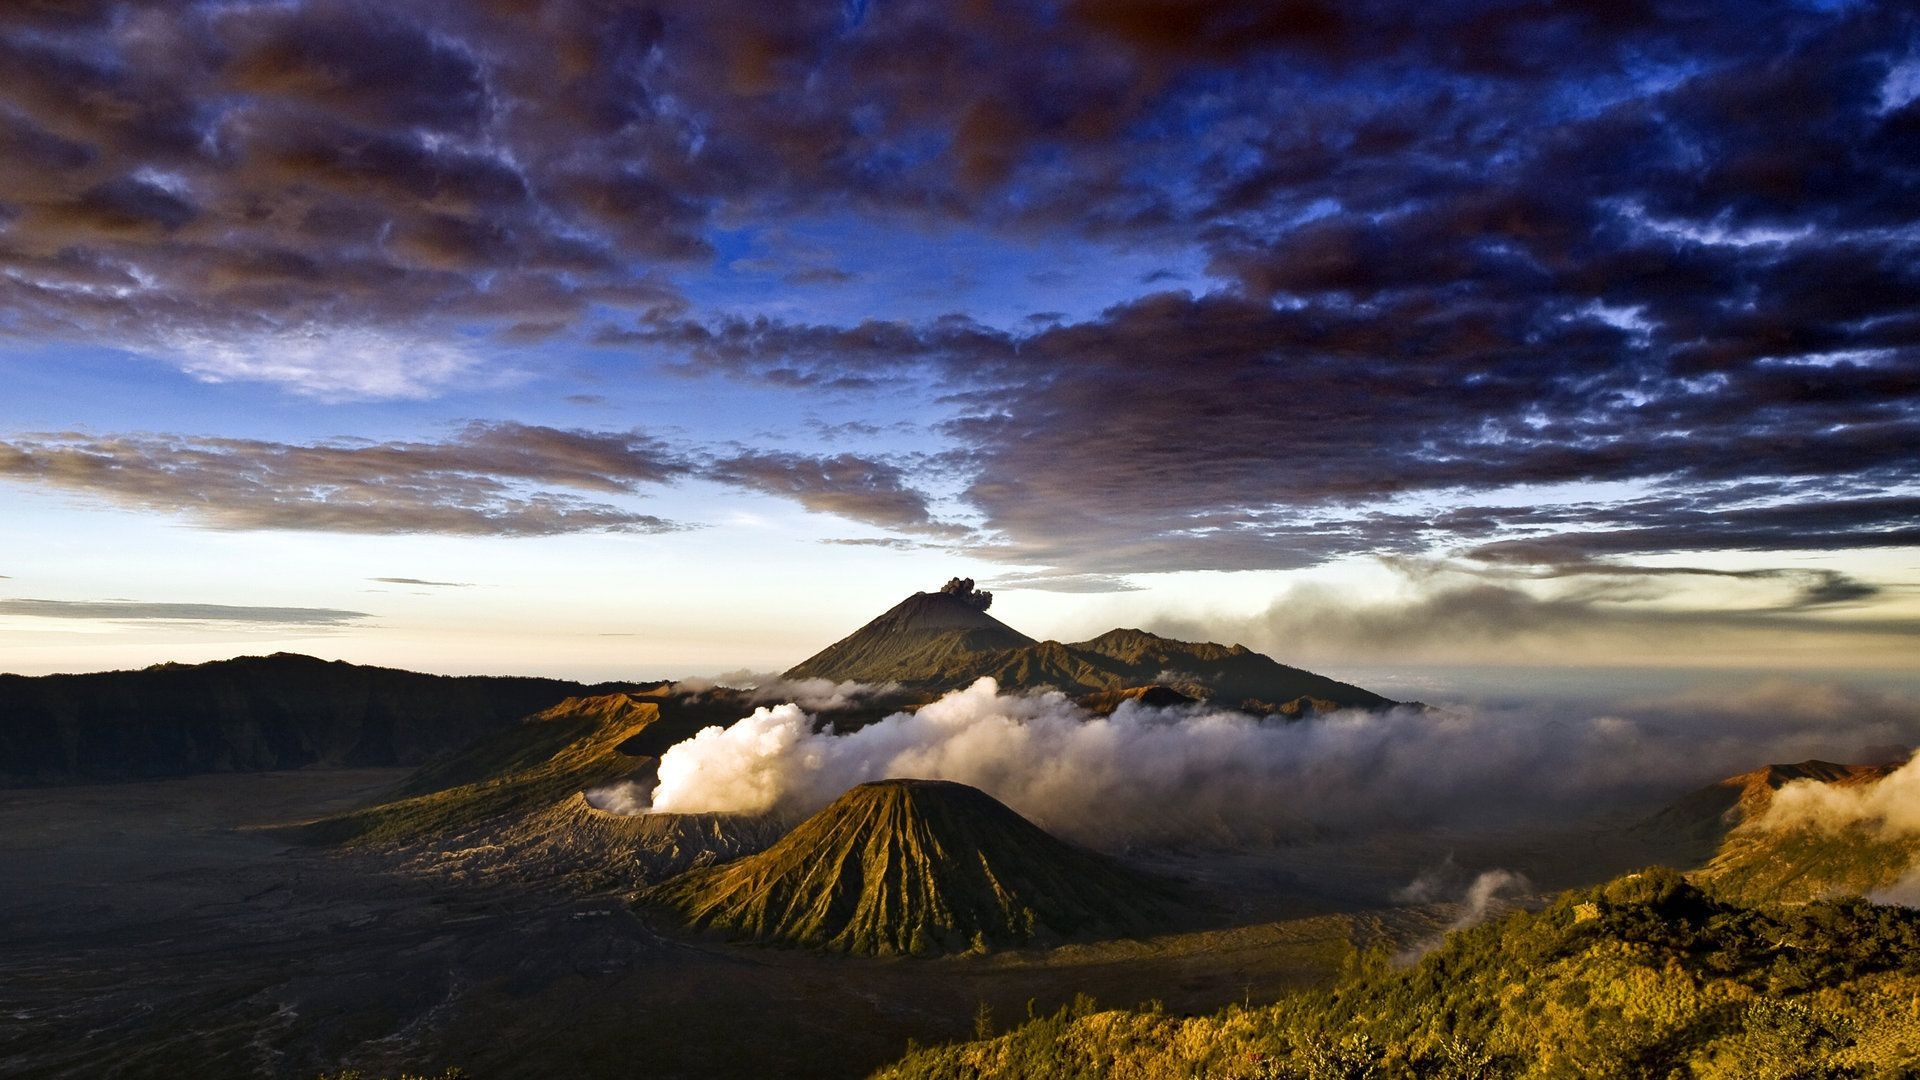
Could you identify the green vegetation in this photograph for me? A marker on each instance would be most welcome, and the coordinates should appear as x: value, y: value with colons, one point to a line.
x: 917, y: 866
x: 1645, y: 976
x: 1806, y: 862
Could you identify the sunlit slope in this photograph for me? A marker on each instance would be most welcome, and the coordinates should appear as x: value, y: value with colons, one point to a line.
x: 1646, y: 976
x: 1764, y: 858
x: 1747, y: 854
x: 542, y: 762
x: 917, y: 866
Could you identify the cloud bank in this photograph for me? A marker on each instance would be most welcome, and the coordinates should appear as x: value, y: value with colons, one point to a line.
x: 486, y: 479
x: 137, y: 611
x: 1196, y: 773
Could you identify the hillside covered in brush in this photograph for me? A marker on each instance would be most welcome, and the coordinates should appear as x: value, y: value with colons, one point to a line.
x: 917, y: 866
x: 1783, y: 858
x: 283, y: 711
x: 945, y: 640
x: 1645, y: 976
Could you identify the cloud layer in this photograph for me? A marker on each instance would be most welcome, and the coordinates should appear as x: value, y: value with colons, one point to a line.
x: 1198, y: 773
x: 137, y: 611
x: 487, y: 479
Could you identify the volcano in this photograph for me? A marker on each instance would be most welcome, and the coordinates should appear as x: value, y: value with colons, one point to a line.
x: 926, y: 637
x: 918, y: 867
x: 934, y: 642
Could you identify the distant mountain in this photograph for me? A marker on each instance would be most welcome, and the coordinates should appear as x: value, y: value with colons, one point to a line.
x: 1704, y: 818
x: 940, y: 641
x: 919, y: 639
x: 283, y: 711
x: 917, y: 866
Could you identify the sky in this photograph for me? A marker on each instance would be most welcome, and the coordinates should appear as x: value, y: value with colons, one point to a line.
x: 616, y: 340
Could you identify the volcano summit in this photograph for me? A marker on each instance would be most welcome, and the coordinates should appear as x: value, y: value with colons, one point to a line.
x: 917, y: 866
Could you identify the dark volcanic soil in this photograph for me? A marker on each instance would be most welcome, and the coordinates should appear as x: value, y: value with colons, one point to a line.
x: 152, y: 930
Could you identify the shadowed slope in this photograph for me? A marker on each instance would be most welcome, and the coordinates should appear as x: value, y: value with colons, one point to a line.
x: 511, y: 808
x: 1231, y: 674
x: 917, y: 866
x: 283, y: 711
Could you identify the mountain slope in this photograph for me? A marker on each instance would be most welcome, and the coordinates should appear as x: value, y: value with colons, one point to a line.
x: 941, y: 641
x: 283, y: 711
x: 918, y: 638
x: 1232, y: 673
x: 512, y: 806
x: 539, y: 763
x: 1761, y: 859
x: 1701, y: 820
x: 1645, y: 976
x: 916, y: 866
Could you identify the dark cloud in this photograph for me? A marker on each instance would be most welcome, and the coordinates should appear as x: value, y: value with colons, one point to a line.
x: 499, y: 479
x: 851, y: 486
x: 1545, y: 561
x: 1450, y: 250
x: 569, y: 147
x: 134, y: 611
x: 488, y: 480
x: 890, y: 543
x: 419, y: 581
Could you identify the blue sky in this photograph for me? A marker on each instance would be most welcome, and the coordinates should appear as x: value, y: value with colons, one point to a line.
x: 1496, y: 333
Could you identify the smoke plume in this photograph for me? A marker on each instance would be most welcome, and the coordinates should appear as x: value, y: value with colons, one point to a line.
x: 1197, y: 772
x: 1491, y: 892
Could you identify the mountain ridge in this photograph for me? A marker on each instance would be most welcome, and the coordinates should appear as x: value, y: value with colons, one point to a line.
x: 940, y: 641
x: 251, y: 713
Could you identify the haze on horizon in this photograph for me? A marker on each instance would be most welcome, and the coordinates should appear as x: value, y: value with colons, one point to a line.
x: 613, y: 341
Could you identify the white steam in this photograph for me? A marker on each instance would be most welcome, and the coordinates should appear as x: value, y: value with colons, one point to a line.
x: 1149, y: 774
x: 1491, y: 892
x: 1884, y: 810
x: 624, y: 797
x: 1889, y: 806
x: 813, y: 695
